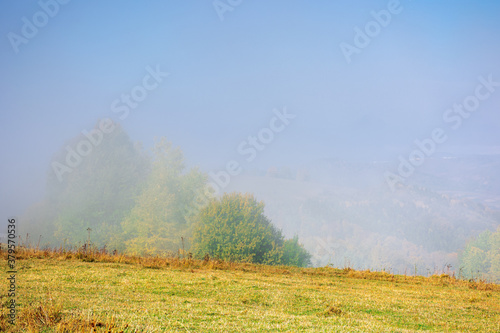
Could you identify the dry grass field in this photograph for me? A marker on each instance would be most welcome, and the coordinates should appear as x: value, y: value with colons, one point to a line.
x: 61, y: 291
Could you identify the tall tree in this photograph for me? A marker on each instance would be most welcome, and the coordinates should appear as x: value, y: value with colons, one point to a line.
x: 163, y: 212
x: 95, y: 193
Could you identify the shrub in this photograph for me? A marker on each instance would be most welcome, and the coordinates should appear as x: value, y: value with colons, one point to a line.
x: 294, y: 253
x: 235, y: 228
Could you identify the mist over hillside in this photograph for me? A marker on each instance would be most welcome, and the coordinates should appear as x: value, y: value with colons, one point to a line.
x: 369, y: 129
x: 346, y: 214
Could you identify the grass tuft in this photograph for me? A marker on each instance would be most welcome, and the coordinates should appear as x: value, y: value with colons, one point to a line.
x: 332, y: 310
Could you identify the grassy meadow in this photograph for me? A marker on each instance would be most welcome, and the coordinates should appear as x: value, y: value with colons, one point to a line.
x: 60, y: 291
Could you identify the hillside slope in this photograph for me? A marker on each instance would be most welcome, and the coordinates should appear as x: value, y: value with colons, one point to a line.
x: 171, y: 295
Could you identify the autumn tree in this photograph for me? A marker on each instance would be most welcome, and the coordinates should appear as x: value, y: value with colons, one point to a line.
x: 163, y: 212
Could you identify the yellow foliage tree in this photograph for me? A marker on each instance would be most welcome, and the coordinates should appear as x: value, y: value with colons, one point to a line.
x: 162, y: 213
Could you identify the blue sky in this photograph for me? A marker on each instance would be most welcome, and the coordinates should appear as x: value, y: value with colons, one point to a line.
x: 226, y: 77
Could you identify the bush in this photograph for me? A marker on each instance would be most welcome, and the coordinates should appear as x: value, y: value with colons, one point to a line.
x: 235, y: 228
x: 294, y: 253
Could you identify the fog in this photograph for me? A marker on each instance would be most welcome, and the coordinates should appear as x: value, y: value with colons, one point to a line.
x: 370, y: 129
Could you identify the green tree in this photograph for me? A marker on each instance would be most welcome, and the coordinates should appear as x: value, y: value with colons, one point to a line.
x: 97, y: 193
x: 294, y: 254
x: 235, y: 228
x: 481, y: 256
x: 494, y: 255
x: 164, y: 210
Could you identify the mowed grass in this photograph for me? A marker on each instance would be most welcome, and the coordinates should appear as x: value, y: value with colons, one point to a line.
x: 74, y: 293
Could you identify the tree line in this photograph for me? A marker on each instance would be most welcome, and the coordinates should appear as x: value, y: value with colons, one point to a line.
x: 136, y: 202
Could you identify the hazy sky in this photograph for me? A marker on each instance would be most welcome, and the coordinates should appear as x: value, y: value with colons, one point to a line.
x: 227, y: 76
